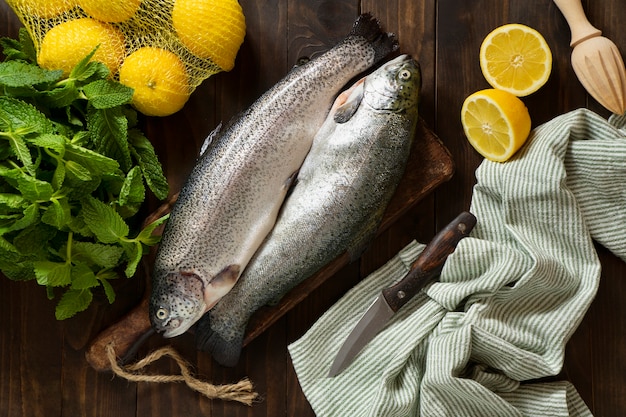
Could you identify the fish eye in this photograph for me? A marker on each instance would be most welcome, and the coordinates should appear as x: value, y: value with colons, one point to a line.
x: 162, y: 313
x: 404, y: 75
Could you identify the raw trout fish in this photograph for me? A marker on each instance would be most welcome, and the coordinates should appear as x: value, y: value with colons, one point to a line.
x: 342, y: 190
x: 231, y: 199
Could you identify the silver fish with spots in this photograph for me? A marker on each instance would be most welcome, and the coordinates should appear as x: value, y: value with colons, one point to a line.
x: 232, y: 197
x: 357, y: 159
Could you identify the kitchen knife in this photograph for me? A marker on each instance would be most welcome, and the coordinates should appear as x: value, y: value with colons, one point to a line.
x: 425, y: 269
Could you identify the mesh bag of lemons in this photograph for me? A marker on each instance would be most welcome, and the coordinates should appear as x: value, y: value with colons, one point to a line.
x: 163, y: 49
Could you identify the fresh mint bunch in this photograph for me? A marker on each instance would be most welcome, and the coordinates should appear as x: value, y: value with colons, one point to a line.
x: 74, y: 172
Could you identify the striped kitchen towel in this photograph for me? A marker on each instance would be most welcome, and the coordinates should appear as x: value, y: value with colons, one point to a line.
x: 508, y: 299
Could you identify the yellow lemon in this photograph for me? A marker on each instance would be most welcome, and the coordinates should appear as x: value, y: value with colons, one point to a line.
x: 42, y: 8
x: 159, y: 79
x: 212, y: 29
x: 496, y: 123
x: 110, y: 10
x: 66, y: 44
x: 516, y: 58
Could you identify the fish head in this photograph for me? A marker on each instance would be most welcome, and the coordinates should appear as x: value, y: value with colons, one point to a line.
x: 395, y: 86
x: 176, y: 303
x: 180, y: 298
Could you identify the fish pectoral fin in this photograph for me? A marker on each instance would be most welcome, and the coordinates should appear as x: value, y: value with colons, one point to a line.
x: 344, y: 111
x: 209, y: 139
x: 221, y: 284
x: 227, y: 276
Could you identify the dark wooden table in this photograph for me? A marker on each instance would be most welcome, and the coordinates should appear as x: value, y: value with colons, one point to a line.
x: 42, y: 365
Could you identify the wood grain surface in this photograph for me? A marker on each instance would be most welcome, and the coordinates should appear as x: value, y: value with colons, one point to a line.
x: 43, y: 371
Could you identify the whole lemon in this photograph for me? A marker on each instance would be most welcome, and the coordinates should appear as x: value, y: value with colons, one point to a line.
x: 45, y: 9
x: 159, y: 79
x: 66, y: 44
x: 212, y: 29
x: 112, y: 11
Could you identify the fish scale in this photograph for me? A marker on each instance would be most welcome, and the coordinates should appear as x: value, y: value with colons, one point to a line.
x: 336, y: 205
x: 231, y: 199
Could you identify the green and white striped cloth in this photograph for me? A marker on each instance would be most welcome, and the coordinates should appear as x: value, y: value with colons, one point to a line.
x: 509, y: 297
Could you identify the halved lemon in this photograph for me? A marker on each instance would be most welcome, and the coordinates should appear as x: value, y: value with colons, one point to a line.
x: 496, y: 123
x: 516, y: 58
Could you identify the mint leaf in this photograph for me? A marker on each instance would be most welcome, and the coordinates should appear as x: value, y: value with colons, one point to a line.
x: 12, y: 201
x: 54, y: 274
x: 19, y: 50
x: 146, y: 236
x: 72, y: 302
x: 11, y: 173
x: 34, y: 239
x: 33, y: 189
x: 134, y: 253
x: 93, y: 161
x: 77, y: 171
x: 62, y: 96
x: 148, y: 161
x: 17, y: 271
x: 109, y: 132
x: 105, y: 94
x: 57, y: 214
x: 6, y: 247
x: 133, y: 191
x: 30, y: 216
x: 108, y: 289
x: 12, y: 49
x: 86, y: 69
x: 21, y: 118
x: 58, y: 177
x: 103, y: 221
x: 27, y: 45
x: 21, y: 151
x: 105, y: 256
x: 50, y: 141
x: 21, y: 74
x: 83, y: 277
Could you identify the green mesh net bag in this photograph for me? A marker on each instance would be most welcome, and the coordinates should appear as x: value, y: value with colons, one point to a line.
x: 162, y: 48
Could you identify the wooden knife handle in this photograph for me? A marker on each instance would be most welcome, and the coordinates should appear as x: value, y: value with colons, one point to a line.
x: 430, y: 262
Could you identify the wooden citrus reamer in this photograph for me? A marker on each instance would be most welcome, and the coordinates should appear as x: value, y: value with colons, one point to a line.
x: 596, y: 60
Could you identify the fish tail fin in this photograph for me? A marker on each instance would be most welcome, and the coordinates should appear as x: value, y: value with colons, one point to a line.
x: 225, y: 352
x: 368, y: 27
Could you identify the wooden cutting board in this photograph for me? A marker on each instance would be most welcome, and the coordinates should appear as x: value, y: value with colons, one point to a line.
x: 430, y: 164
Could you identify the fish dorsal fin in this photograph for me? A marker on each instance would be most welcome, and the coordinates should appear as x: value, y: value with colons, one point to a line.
x: 345, y: 111
x: 209, y: 139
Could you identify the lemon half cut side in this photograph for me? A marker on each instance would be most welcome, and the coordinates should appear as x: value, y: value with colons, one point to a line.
x: 515, y: 58
x: 496, y: 123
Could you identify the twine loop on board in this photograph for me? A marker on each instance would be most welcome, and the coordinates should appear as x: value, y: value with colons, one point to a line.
x: 242, y: 391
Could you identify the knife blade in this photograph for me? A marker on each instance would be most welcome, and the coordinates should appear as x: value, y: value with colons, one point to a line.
x: 424, y: 270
